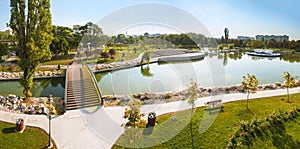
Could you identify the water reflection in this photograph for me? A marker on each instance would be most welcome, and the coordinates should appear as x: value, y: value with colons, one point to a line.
x: 173, y: 76
x: 145, y: 70
x: 292, y: 58
x: 41, y: 87
x: 256, y: 58
x: 235, y: 55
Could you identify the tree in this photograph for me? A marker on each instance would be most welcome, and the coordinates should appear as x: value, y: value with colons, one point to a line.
x: 289, y: 82
x: 90, y: 34
x: 63, y: 36
x: 226, y: 33
x: 32, y: 28
x: 112, y: 52
x: 121, y: 39
x: 134, y: 116
x: 146, y: 57
x: 104, y: 54
x: 193, y: 94
x: 249, y: 84
x: 3, y: 48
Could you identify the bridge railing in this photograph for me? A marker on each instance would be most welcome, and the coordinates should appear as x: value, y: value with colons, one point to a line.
x: 95, y: 82
x: 66, y: 87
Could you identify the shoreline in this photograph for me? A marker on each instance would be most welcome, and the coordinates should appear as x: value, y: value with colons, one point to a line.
x: 149, y: 98
x: 14, y: 76
x: 159, y: 56
x: 72, y: 119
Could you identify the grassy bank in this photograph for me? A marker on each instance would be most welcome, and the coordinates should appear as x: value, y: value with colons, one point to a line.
x: 61, y: 60
x: 30, y: 138
x: 217, y: 135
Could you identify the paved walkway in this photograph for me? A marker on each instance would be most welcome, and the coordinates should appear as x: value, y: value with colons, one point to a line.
x: 82, y: 129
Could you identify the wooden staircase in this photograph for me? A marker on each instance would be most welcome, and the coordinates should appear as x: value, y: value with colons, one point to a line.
x: 82, y: 90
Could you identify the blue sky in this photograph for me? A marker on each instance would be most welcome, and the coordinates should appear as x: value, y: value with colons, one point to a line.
x: 242, y: 17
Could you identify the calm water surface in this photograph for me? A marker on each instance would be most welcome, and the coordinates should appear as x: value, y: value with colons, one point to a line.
x: 213, y: 71
x: 41, y: 88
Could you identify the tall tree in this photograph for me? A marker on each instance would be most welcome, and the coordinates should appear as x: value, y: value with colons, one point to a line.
x: 31, y: 25
x: 193, y: 94
x: 226, y: 33
x: 249, y: 84
x: 289, y: 82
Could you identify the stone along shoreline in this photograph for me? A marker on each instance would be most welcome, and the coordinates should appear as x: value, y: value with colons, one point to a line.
x: 156, y: 98
x: 40, y: 74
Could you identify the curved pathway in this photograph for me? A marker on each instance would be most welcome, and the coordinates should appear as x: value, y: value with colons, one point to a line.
x: 81, y: 129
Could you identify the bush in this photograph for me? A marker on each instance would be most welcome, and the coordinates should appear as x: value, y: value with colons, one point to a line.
x: 0, y: 67
x: 5, y: 68
x: 168, y: 95
x: 13, y: 68
x: 241, y: 135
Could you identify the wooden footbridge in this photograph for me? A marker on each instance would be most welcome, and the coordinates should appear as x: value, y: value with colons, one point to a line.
x: 81, y: 88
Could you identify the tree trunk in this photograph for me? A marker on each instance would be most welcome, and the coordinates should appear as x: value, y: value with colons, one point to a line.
x: 25, y: 84
x: 191, y: 127
x: 288, y: 92
x: 247, y: 100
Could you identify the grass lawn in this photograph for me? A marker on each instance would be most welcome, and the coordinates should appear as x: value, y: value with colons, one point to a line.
x: 176, y: 134
x: 30, y: 138
x: 61, y: 60
x: 131, y: 55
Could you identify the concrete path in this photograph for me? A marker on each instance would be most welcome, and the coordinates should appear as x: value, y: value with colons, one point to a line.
x: 100, y: 129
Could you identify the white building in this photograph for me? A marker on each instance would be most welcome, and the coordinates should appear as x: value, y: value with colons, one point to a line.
x: 245, y: 38
x: 269, y: 37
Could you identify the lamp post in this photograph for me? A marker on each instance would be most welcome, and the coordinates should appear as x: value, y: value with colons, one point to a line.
x: 49, y: 116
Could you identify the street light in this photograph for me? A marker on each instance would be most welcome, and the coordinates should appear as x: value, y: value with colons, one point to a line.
x: 49, y: 116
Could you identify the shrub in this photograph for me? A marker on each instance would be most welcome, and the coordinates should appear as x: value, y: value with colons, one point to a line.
x: 5, y: 68
x: 168, y: 95
x: 246, y: 132
x: 13, y: 68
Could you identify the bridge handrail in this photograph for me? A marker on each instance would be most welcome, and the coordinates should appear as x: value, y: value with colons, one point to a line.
x: 66, y: 85
x: 94, y: 81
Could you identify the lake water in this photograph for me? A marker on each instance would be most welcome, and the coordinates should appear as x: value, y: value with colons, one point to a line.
x: 41, y: 87
x: 213, y: 71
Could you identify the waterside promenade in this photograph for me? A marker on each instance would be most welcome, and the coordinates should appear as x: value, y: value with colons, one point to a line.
x: 76, y: 128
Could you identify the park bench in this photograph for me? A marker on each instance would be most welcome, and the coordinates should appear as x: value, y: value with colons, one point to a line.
x: 214, y: 105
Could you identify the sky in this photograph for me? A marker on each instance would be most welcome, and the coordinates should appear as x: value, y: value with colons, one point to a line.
x: 242, y: 17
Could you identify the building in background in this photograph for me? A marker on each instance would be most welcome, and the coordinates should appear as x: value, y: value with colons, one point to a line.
x: 269, y: 37
x: 245, y: 38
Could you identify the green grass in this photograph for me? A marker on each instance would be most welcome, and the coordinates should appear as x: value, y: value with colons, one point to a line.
x: 61, y: 60
x: 281, y: 135
x: 49, y: 69
x: 30, y: 138
x: 131, y: 55
x: 217, y: 135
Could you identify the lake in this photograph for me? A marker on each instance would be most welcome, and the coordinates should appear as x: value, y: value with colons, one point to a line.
x: 217, y: 70
x: 213, y: 71
x: 41, y: 87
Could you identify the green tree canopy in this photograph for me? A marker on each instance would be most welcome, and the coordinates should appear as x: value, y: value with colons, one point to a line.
x: 289, y: 82
x: 32, y: 27
x: 249, y: 84
x: 133, y: 115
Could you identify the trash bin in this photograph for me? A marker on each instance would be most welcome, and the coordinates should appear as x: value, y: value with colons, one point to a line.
x: 20, y: 124
x: 151, y: 119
